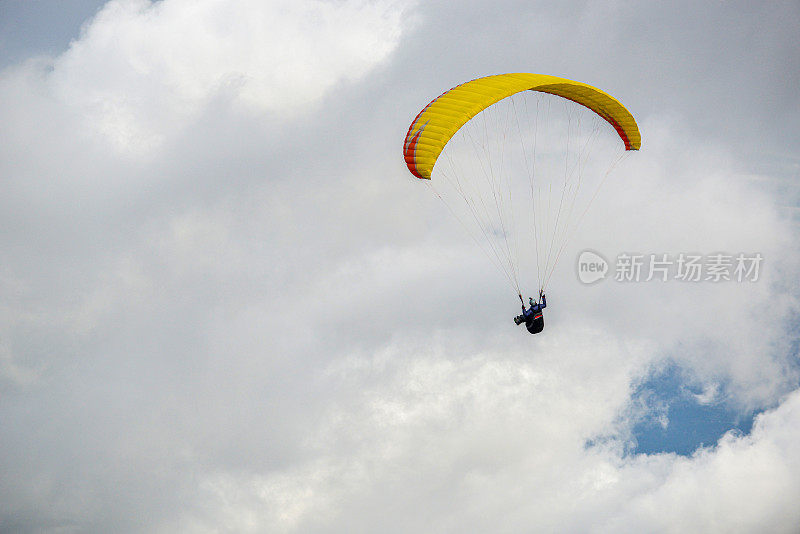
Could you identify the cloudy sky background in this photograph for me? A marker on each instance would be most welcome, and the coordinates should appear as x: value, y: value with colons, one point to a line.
x: 225, y: 304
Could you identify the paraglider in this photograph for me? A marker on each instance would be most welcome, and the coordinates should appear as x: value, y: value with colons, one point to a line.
x: 493, y: 132
x: 533, y: 316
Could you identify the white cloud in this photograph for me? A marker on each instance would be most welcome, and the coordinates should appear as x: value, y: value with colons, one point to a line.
x: 141, y: 70
x: 495, y: 442
x: 744, y: 484
x: 251, y: 329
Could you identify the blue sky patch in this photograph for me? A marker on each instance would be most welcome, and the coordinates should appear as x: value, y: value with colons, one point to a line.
x: 681, y: 415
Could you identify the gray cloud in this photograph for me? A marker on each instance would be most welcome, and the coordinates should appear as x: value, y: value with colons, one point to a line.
x: 218, y: 314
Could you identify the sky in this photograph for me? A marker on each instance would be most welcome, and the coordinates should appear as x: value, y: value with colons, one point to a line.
x: 227, y: 306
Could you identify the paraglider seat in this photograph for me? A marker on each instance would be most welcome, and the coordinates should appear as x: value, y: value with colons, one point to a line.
x: 536, y: 324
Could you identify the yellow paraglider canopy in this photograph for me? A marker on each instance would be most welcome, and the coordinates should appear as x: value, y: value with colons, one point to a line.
x: 441, y: 119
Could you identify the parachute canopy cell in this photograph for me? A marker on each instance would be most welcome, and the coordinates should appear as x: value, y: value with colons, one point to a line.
x: 441, y: 119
